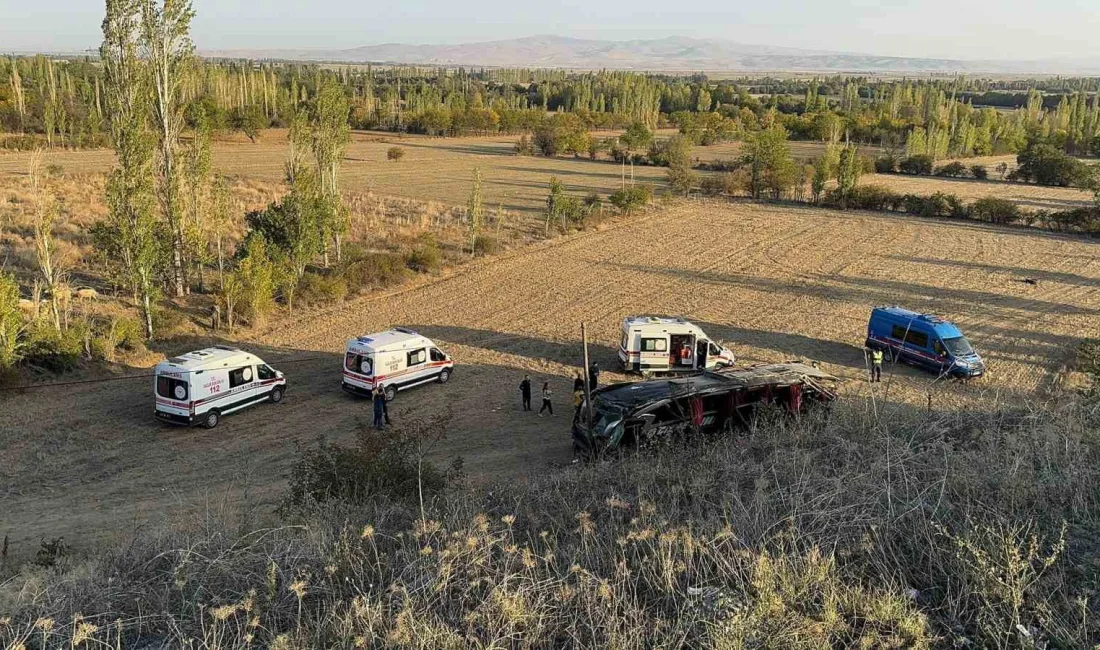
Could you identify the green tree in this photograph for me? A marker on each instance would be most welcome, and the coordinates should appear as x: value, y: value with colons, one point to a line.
x: 768, y: 158
x: 254, y: 280
x: 637, y: 137
x: 475, y: 209
x: 848, y: 171
x: 126, y: 240
x: 251, y: 120
x: 291, y: 225
x: 11, y: 322
x: 166, y: 41
x: 331, y: 135
x: 197, y: 181
x: 44, y: 215
x: 681, y: 175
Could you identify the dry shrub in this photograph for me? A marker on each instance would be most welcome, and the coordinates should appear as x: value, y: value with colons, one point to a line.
x: 319, y: 290
x: 866, y: 529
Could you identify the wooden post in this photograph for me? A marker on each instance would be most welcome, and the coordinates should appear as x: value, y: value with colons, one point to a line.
x: 587, y: 383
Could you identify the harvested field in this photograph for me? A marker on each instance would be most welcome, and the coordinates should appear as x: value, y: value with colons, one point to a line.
x: 433, y: 169
x: 1027, y: 196
x: 439, y: 170
x: 774, y: 282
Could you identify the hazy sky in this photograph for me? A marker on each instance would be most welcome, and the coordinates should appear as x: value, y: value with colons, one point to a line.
x: 972, y: 29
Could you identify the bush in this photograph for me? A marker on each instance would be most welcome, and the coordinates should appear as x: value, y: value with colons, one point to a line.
x: 724, y: 184
x: 386, y: 464
x: 47, y: 349
x: 524, y: 146
x: 1047, y: 165
x: 919, y: 165
x: 936, y: 205
x: 370, y: 269
x: 319, y: 290
x: 168, y: 321
x: 886, y: 165
x: 952, y: 170
x: 629, y: 199
x: 486, y: 245
x: 395, y: 153
x: 425, y: 257
x: 867, y: 197
x: 114, y: 334
x: 979, y: 172
x: 994, y: 210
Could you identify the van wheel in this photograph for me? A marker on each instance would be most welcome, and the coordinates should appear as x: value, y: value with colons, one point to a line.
x: 390, y: 393
x: 211, y: 420
x: 276, y: 395
x: 444, y: 376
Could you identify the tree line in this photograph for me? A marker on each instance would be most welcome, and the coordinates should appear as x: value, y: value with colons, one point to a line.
x: 63, y: 102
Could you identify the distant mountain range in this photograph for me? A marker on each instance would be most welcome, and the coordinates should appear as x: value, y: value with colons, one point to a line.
x: 667, y: 54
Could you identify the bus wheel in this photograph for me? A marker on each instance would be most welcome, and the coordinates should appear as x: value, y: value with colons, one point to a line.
x: 444, y: 376
x: 391, y: 393
x: 211, y: 420
x: 276, y: 395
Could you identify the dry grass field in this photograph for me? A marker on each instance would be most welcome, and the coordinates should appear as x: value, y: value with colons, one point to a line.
x: 775, y: 283
x: 439, y: 170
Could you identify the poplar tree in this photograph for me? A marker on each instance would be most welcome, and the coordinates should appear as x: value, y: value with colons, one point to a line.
x: 475, y: 209
x: 127, y: 239
x: 43, y: 218
x: 330, y: 137
x: 197, y: 181
x: 166, y: 41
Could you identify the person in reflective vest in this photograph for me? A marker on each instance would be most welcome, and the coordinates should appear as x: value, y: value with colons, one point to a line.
x: 876, y: 365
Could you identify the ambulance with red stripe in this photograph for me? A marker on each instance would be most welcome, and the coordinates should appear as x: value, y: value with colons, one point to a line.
x: 395, y: 359
x: 201, y: 386
x: 653, y: 345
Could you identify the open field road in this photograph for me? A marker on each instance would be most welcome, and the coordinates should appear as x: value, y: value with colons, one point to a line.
x: 776, y: 283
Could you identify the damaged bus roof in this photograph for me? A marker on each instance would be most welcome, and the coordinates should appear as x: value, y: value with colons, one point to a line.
x: 630, y: 396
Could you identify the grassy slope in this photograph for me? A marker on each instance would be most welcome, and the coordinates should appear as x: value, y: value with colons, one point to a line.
x: 904, y: 529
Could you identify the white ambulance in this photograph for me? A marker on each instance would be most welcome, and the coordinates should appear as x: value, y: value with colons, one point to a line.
x: 201, y: 386
x: 395, y: 359
x: 658, y: 345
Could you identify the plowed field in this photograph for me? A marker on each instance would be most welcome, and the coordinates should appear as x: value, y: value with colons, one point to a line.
x: 87, y: 461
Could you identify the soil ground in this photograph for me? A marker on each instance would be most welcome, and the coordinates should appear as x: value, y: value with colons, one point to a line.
x: 89, y: 462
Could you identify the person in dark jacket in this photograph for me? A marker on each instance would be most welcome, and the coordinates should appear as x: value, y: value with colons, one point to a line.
x: 379, y: 407
x: 593, y: 375
x: 525, y: 392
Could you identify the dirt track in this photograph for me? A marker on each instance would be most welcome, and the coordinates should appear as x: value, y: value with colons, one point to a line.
x: 775, y: 282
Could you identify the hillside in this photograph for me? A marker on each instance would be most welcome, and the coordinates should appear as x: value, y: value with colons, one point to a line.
x: 666, y: 54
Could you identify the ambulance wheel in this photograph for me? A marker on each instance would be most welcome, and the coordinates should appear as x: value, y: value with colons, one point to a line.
x: 390, y: 393
x: 276, y: 395
x: 444, y: 376
x: 211, y: 420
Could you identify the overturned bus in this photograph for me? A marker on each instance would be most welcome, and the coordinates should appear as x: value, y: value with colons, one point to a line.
x: 711, y: 402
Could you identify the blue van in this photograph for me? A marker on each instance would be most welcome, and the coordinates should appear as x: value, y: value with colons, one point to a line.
x: 922, y: 340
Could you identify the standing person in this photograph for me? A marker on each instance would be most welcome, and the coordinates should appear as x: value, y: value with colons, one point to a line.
x: 876, y: 365
x: 525, y: 392
x: 578, y: 394
x: 546, y: 405
x: 385, y: 404
x: 593, y: 375
x: 379, y: 407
